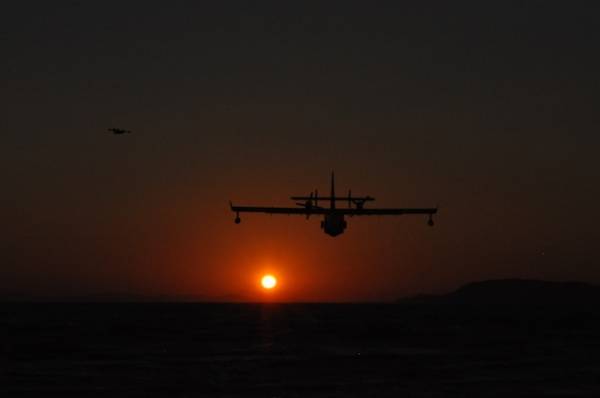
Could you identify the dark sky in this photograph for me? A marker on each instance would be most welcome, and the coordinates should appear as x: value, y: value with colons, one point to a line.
x: 489, y: 109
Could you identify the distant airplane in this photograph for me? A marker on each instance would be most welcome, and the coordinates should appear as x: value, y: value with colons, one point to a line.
x: 333, y: 223
x: 119, y: 131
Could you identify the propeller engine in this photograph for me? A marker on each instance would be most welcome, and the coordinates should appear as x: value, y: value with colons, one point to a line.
x: 310, y: 203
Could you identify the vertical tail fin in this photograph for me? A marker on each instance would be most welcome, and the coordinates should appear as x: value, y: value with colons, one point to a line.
x: 332, y: 190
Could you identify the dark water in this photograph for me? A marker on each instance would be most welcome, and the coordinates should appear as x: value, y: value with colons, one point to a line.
x: 232, y: 350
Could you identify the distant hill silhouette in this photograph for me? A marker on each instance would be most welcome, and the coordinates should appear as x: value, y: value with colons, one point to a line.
x: 516, y: 292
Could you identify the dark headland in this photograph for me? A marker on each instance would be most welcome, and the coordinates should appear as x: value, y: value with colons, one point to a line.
x: 515, y: 292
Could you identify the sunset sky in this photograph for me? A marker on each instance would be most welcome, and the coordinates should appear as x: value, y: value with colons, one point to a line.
x: 489, y: 109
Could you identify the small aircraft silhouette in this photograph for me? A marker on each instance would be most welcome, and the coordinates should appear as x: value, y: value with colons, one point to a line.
x: 333, y: 223
x: 119, y: 131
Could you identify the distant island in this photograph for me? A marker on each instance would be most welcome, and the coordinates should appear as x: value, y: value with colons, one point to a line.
x: 516, y: 292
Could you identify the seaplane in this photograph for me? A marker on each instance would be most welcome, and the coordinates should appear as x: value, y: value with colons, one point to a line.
x: 334, y: 218
x: 119, y: 131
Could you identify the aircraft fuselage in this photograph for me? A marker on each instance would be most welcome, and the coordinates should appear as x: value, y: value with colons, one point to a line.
x: 333, y: 224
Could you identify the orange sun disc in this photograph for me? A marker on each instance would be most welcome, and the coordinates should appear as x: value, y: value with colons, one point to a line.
x: 268, y: 281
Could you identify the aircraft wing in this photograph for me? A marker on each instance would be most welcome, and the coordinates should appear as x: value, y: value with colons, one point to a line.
x: 385, y: 212
x: 279, y: 210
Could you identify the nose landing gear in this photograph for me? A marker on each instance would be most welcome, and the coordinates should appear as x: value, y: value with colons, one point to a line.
x: 237, y: 218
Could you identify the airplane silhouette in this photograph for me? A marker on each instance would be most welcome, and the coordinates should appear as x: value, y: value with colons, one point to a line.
x: 333, y: 223
x: 119, y: 131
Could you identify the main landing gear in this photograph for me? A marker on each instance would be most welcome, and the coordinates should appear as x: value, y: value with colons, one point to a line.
x: 237, y: 218
x: 430, y: 221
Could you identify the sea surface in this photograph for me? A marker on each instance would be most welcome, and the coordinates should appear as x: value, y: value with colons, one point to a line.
x: 297, y: 350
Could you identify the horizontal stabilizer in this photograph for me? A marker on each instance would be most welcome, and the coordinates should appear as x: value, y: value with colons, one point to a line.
x: 336, y: 198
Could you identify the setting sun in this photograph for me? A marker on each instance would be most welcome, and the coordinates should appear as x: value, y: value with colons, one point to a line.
x: 268, y: 281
